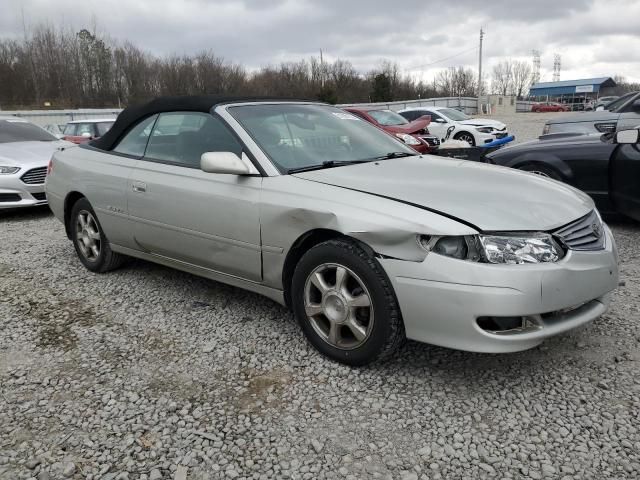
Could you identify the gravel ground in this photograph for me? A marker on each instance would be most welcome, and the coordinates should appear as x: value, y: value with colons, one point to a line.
x: 149, y: 373
x: 526, y: 126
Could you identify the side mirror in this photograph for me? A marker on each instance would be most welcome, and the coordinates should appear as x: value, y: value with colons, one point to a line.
x: 636, y: 106
x: 85, y: 135
x: 224, y: 162
x: 628, y: 136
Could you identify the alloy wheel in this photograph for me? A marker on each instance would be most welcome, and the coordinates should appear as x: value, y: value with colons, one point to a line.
x: 338, y: 306
x: 467, y: 137
x: 88, y: 235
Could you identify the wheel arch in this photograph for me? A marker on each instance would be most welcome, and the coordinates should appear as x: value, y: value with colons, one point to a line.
x: 303, y: 244
x: 69, y: 201
x: 549, y: 161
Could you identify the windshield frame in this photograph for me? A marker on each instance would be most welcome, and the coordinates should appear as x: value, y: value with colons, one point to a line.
x: 261, y: 158
x: 42, y: 134
x: 621, y: 102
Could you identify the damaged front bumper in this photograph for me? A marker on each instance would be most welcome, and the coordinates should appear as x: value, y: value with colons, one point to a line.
x: 501, y: 308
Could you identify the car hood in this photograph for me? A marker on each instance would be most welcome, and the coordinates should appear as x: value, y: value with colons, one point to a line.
x: 585, y: 117
x: 29, y: 154
x: 412, y: 127
x: 483, y: 122
x: 487, y: 197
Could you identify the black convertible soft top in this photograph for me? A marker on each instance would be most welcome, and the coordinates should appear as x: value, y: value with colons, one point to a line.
x: 130, y: 116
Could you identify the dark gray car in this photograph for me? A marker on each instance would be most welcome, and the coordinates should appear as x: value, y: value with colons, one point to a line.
x: 620, y: 114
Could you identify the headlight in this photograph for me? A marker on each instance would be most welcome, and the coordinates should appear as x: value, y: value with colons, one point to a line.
x: 606, y: 127
x: 498, y: 249
x: 536, y: 248
x: 408, y: 139
x: 484, y: 129
x: 8, y: 170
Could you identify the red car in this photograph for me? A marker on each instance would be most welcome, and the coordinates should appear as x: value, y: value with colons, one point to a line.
x: 415, y: 133
x: 82, y: 131
x: 550, y: 107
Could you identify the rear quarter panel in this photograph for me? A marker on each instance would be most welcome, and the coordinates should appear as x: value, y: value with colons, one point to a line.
x: 100, y: 177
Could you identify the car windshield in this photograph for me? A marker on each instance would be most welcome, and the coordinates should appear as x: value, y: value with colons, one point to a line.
x: 23, y: 131
x: 296, y: 136
x: 387, y: 117
x: 455, y: 115
x: 613, y: 106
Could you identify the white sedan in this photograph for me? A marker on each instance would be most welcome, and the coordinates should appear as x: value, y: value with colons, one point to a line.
x: 25, y: 151
x: 475, y: 131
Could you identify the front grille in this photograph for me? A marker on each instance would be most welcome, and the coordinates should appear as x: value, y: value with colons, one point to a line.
x: 35, y: 176
x: 586, y: 233
x: 431, y: 140
x: 9, y: 197
x: 39, y: 196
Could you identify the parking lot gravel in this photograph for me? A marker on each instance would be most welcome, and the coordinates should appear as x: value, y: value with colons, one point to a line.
x: 149, y: 373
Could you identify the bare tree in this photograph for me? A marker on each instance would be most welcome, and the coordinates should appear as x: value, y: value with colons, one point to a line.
x: 502, y: 78
x: 522, y: 76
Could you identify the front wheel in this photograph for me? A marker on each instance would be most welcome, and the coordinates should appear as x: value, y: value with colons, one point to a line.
x: 466, y: 137
x: 345, y: 304
x: 89, y: 239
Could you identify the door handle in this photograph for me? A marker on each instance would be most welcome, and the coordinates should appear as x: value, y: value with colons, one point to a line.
x: 139, y: 187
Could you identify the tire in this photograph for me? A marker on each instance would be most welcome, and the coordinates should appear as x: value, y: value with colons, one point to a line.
x: 90, y: 242
x: 467, y: 137
x: 380, y: 330
x: 542, y: 170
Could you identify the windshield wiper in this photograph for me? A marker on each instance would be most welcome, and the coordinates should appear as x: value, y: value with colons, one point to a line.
x: 395, y: 155
x: 326, y: 164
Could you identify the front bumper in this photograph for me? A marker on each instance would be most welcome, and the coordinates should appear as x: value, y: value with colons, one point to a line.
x: 482, y: 138
x: 15, y: 194
x: 441, y: 298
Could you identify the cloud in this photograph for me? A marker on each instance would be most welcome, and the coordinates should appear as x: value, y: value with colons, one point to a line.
x: 411, y: 33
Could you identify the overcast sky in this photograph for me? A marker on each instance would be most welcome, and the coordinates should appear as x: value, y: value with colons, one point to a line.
x: 594, y: 37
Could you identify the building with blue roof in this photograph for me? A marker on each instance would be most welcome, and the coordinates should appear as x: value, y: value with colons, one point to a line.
x: 590, y: 87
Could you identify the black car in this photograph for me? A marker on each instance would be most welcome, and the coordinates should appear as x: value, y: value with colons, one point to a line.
x: 607, y: 171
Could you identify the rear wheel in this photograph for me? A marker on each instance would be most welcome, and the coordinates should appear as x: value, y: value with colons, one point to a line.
x: 345, y: 305
x: 542, y: 170
x: 466, y: 137
x: 89, y: 239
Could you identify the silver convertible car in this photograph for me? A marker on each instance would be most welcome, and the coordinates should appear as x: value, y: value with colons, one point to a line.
x: 366, y: 241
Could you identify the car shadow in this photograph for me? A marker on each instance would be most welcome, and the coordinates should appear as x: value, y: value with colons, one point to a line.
x: 30, y: 213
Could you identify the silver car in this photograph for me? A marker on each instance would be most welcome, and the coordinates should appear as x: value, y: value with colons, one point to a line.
x: 25, y: 151
x: 366, y: 241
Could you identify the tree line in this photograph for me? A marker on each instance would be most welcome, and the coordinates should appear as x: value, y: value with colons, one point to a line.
x: 67, y: 69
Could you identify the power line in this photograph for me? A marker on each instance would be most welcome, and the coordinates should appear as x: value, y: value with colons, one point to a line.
x: 442, y: 59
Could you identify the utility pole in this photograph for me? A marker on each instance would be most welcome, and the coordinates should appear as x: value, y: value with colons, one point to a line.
x: 480, y: 64
x: 321, y: 70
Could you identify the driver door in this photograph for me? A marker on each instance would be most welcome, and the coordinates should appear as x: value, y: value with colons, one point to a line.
x: 180, y: 212
x: 438, y: 125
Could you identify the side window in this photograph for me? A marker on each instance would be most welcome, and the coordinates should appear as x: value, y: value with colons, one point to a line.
x: 182, y: 138
x: 434, y: 116
x: 411, y: 115
x: 70, y: 129
x: 85, y: 128
x: 135, y: 141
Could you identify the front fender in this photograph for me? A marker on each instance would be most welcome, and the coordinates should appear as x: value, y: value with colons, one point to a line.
x: 290, y: 208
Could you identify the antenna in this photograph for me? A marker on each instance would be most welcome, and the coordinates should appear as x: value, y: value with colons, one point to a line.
x: 535, y: 76
x: 556, y: 67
